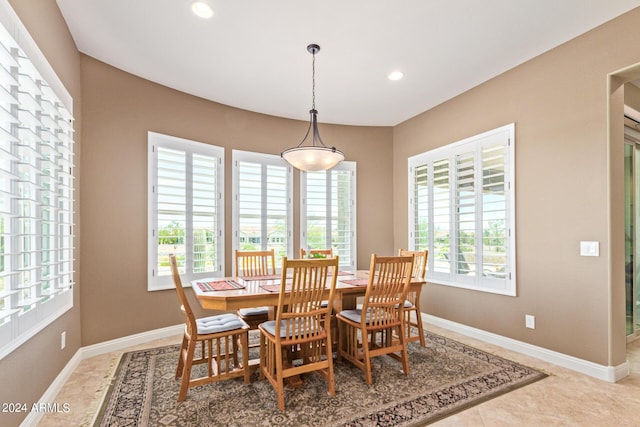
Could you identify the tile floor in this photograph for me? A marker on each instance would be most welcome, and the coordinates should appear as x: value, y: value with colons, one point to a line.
x: 565, y: 398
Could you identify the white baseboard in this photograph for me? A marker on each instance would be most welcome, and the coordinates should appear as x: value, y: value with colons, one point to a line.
x: 130, y: 340
x: 605, y: 373
x: 50, y: 394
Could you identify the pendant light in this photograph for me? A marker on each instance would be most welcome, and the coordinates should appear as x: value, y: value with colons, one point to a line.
x: 317, y: 156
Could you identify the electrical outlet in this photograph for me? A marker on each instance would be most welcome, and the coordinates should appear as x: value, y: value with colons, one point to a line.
x: 63, y: 340
x: 530, y: 321
x: 589, y: 248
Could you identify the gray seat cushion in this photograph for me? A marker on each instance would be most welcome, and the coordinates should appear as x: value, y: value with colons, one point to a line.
x: 219, y: 323
x: 353, y: 315
x: 254, y: 311
x: 270, y: 327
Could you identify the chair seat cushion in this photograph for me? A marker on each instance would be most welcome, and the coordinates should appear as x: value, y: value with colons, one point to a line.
x: 270, y: 327
x: 354, y: 315
x: 254, y: 311
x: 407, y: 304
x: 219, y: 323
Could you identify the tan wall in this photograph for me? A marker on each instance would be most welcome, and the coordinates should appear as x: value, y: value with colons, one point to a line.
x: 558, y: 102
x: 27, y: 372
x: 119, y: 109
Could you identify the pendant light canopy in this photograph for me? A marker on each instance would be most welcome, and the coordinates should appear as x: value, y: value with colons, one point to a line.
x: 317, y: 156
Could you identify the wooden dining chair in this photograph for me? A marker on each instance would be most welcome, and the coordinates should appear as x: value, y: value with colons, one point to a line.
x: 412, y: 303
x: 301, y: 330
x: 378, y: 327
x: 219, y: 337
x: 323, y: 253
x: 255, y: 264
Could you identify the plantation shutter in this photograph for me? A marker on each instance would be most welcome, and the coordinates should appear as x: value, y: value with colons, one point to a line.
x: 185, y: 209
x: 496, y: 212
x: 328, y: 211
x: 465, y: 215
x: 419, y: 238
x: 461, y: 208
x: 441, y: 207
x: 262, y: 203
x: 36, y: 191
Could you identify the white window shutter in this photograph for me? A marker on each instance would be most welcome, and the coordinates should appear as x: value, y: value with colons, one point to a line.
x: 462, y: 209
x: 328, y: 212
x: 186, y: 212
x: 36, y: 189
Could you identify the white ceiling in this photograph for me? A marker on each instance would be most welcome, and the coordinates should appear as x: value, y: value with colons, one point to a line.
x: 252, y: 53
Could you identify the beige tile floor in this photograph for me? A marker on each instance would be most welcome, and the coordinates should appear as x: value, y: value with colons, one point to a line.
x: 565, y: 398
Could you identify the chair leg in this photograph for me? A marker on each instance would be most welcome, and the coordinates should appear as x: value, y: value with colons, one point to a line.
x: 183, y: 349
x: 404, y: 355
x: 340, y: 340
x: 330, y: 377
x: 367, y: 358
x: 209, y: 355
x: 234, y: 342
x: 419, y: 324
x: 263, y: 356
x: 279, y: 378
x: 244, y: 343
x: 407, y: 322
x: 186, y: 374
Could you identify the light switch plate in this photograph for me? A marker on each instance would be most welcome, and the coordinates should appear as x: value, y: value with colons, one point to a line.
x: 589, y: 248
x: 530, y: 321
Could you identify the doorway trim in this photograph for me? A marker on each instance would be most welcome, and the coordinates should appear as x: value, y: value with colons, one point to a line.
x: 615, y: 210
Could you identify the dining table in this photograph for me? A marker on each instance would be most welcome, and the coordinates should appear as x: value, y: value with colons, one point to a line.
x: 233, y: 293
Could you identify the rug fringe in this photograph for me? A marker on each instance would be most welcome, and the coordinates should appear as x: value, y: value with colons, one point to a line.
x: 101, y: 393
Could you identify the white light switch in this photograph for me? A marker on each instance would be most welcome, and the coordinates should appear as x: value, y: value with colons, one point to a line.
x: 530, y: 321
x: 589, y: 248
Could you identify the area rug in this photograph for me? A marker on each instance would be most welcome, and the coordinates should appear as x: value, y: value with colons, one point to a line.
x: 445, y: 377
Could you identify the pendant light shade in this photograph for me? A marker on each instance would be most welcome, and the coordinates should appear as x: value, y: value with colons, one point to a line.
x: 317, y: 156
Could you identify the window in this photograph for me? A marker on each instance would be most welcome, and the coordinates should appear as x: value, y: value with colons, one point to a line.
x: 262, y: 207
x: 186, y: 213
x: 36, y: 189
x: 461, y: 208
x: 328, y: 212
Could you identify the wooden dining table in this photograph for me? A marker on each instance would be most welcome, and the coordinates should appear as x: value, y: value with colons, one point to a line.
x: 232, y: 293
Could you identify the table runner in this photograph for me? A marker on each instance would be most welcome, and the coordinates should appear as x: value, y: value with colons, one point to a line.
x: 219, y: 285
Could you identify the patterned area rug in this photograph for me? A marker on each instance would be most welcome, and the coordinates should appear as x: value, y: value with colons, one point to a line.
x: 445, y: 377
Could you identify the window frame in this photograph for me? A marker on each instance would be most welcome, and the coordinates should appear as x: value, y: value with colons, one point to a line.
x: 343, y: 166
x: 506, y: 135
x: 264, y: 160
x: 160, y: 282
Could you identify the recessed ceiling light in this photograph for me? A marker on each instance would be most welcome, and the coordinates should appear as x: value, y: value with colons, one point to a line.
x: 395, y: 75
x: 202, y: 9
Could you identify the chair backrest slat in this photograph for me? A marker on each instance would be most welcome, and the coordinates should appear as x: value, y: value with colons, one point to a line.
x: 389, y: 280
x: 255, y: 263
x: 419, y: 263
x: 303, y: 289
x: 182, y: 296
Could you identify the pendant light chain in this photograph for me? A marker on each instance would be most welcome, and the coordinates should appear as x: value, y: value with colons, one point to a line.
x: 313, y: 82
